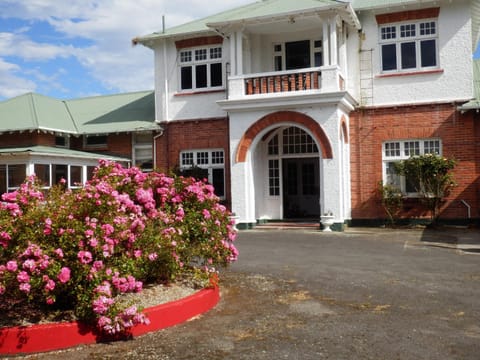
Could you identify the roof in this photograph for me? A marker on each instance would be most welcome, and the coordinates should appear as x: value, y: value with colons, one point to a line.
x: 93, y: 115
x: 274, y: 8
x: 40, y: 150
x: 252, y: 12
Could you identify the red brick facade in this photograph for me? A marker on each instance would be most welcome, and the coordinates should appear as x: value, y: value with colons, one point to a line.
x: 193, y: 135
x: 460, y: 136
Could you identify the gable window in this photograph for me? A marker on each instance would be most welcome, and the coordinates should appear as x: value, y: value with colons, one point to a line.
x: 201, y: 68
x: 409, y: 46
x: 394, y: 151
x: 62, y: 141
x: 95, y: 141
x: 205, y: 164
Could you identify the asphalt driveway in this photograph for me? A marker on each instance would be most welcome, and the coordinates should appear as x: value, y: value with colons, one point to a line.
x: 295, y: 294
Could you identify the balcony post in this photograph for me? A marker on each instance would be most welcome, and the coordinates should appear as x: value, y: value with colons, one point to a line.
x: 326, y: 43
x: 239, y: 58
x: 333, y: 41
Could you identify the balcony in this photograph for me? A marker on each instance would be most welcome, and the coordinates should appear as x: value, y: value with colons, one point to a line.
x: 318, y: 80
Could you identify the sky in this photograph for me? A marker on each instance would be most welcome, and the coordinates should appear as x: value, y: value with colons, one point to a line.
x: 78, y: 48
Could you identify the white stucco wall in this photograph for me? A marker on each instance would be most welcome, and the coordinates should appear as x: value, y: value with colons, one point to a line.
x: 250, y: 198
x: 454, y: 82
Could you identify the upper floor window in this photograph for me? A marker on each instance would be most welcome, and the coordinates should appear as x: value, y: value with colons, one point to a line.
x: 394, y: 151
x: 297, y: 55
x: 409, y: 46
x: 201, y: 68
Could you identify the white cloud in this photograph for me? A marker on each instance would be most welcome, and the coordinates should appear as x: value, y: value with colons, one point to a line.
x: 11, y: 84
x: 108, y: 25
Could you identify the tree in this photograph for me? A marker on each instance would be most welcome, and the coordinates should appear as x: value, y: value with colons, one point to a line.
x: 430, y: 175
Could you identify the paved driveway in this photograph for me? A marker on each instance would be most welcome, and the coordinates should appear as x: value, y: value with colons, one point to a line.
x: 309, y: 295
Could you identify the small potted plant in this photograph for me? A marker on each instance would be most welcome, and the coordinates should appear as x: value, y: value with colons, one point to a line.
x: 327, y: 220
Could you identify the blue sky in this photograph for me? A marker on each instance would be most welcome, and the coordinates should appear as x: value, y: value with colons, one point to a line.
x: 77, y: 48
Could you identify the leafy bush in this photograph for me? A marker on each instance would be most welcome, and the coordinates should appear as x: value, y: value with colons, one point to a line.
x: 79, y: 249
x: 431, y: 177
x: 392, y: 200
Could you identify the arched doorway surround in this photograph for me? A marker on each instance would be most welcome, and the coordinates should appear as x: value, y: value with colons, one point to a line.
x: 279, y: 117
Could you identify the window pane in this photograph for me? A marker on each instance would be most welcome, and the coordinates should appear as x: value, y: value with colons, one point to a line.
x: 186, y: 74
x: 428, y: 53
x: 185, y: 56
x: 59, y: 172
x: 202, y: 158
x: 217, y: 157
x: 278, y: 63
x: 273, y: 177
x: 409, y: 57
x: 201, y: 54
x: 392, y: 177
x: 428, y: 28
x: 389, y: 57
x: 318, y: 59
x: 187, y: 158
x: 218, y: 182
x: 389, y: 32
x: 16, y: 175
x: 216, y: 74
x: 297, y: 55
x: 201, y: 76
x: 42, y: 171
x: 96, y: 140
x: 75, y: 176
x: 216, y: 53
x: 407, y: 30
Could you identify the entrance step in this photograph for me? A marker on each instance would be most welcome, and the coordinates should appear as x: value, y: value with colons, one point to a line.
x: 288, y: 225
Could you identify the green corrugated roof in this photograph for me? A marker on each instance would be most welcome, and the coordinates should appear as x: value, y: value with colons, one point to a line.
x: 56, y: 151
x: 35, y: 112
x: 94, y: 115
x: 114, y: 113
x: 257, y: 10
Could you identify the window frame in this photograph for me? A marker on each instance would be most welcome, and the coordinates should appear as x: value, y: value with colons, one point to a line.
x: 191, y: 58
x: 406, y: 148
x: 206, y: 159
x: 142, y: 142
x: 390, y: 35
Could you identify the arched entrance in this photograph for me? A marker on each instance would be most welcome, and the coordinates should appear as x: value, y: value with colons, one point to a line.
x: 293, y: 172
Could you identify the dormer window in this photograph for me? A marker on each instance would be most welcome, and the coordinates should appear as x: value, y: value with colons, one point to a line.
x: 201, y: 68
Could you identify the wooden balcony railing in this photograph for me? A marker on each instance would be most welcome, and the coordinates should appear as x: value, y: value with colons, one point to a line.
x: 282, y: 82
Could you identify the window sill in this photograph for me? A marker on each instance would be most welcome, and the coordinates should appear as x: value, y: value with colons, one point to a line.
x: 199, y: 92
x: 410, y: 73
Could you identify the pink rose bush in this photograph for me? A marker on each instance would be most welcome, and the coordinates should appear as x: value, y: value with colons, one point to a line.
x: 81, y: 249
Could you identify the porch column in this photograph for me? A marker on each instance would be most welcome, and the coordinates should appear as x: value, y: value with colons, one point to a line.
x: 243, y: 193
x: 333, y: 41
x: 326, y: 43
x: 233, y: 59
x: 239, y: 51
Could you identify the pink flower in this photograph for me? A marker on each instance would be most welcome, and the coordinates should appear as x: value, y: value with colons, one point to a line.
x: 50, y: 285
x: 206, y: 214
x: 64, y: 275
x: 25, y: 287
x: 50, y: 300
x: 59, y: 253
x: 152, y: 256
x: 85, y: 257
x: 23, y: 277
x: 12, y: 266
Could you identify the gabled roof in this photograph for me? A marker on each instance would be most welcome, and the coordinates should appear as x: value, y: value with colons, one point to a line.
x: 94, y: 115
x: 253, y: 12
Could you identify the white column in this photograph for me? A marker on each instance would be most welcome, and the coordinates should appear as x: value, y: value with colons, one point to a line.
x: 326, y: 43
x: 239, y: 47
x: 233, y: 57
x: 333, y: 41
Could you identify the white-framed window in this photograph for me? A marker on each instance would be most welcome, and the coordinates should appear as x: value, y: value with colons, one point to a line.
x: 205, y: 164
x: 142, y: 150
x: 95, y: 141
x: 409, y: 46
x: 397, y: 150
x: 201, y: 68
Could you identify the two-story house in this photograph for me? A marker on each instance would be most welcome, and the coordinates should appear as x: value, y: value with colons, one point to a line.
x: 297, y: 108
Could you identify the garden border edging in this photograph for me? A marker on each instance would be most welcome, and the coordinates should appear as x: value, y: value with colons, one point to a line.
x: 48, y: 337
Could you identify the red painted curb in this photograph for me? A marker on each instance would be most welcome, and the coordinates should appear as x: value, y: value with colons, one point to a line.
x: 48, y: 337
